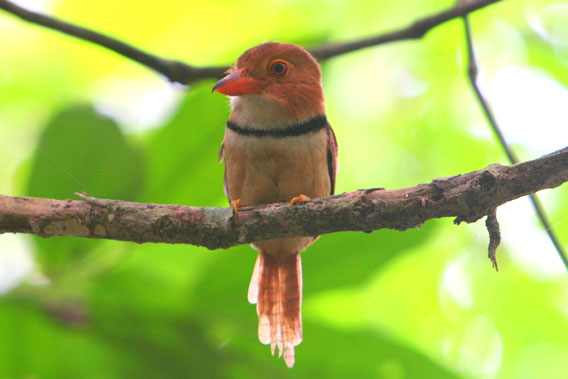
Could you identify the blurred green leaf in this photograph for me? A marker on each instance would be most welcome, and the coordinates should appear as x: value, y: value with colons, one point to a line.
x: 388, y: 304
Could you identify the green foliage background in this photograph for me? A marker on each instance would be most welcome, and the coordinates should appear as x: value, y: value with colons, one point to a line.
x: 419, y: 304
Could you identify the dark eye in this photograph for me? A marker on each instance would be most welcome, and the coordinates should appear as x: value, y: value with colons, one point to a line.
x: 278, y: 67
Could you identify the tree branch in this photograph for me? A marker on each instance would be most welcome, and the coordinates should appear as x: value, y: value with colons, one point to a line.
x: 183, y: 73
x: 466, y: 197
x: 175, y: 71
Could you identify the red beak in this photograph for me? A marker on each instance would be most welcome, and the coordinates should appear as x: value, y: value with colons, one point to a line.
x: 236, y: 84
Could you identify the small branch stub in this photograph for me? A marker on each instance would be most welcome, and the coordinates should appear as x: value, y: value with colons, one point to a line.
x: 494, y: 236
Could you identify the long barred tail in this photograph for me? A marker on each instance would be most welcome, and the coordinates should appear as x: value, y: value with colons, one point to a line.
x: 276, y: 288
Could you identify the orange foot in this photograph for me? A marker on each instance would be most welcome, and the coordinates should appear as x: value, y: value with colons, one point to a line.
x: 299, y: 199
x: 236, y: 204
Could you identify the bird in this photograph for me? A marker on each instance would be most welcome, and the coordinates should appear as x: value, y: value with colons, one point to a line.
x: 278, y: 147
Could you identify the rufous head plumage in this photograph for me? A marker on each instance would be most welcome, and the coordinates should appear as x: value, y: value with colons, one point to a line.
x: 283, y: 74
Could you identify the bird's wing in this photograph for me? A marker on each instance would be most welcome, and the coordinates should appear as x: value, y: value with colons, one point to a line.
x: 221, y: 152
x: 225, y: 185
x: 331, y: 158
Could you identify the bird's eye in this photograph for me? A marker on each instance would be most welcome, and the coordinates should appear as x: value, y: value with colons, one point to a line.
x: 278, y: 67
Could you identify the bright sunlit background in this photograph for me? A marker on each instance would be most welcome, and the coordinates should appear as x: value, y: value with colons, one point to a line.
x: 422, y: 303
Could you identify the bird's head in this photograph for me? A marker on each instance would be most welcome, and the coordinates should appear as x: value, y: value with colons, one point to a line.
x: 274, y: 83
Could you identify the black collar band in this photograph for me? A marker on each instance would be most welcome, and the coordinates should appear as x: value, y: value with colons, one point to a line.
x: 310, y: 126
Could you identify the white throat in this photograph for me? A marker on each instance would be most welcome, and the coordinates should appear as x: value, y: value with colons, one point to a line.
x: 256, y: 111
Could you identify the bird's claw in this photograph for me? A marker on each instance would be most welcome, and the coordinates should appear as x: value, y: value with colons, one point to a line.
x: 299, y: 199
x: 236, y: 204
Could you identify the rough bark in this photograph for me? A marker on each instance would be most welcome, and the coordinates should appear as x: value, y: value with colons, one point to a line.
x: 466, y: 197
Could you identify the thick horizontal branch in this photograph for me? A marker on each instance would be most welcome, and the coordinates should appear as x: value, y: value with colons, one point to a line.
x: 183, y: 73
x: 466, y: 197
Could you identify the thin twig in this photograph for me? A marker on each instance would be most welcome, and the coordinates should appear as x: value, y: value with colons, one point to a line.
x: 415, y: 30
x: 183, y: 73
x: 472, y: 73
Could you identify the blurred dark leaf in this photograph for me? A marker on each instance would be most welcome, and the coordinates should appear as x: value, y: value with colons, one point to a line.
x: 35, y: 345
x: 331, y: 353
x: 80, y: 150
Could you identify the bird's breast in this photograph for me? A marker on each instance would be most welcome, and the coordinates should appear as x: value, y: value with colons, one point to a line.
x: 262, y: 170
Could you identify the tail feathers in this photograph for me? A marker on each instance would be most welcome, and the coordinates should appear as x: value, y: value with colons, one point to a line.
x: 276, y: 288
